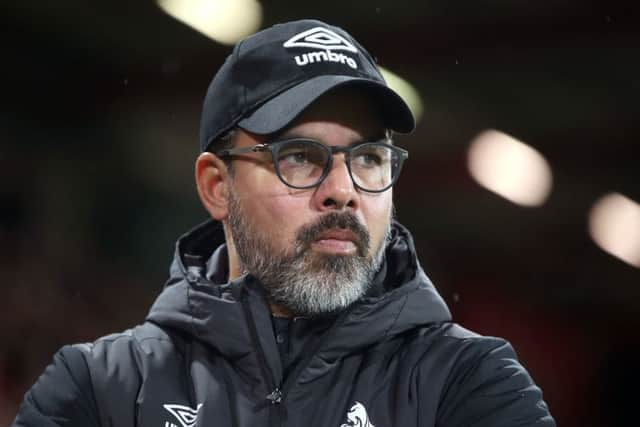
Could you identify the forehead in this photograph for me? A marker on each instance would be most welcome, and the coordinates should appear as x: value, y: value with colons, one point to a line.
x: 345, y: 113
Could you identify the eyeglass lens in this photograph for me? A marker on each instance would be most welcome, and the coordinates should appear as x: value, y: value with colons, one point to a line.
x: 303, y: 163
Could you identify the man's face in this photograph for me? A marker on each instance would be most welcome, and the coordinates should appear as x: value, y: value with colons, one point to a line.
x: 314, y: 250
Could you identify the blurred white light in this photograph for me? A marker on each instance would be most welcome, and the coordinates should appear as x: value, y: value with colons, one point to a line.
x: 614, y: 224
x: 509, y: 168
x: 408, y: 93
x: 225, y: 21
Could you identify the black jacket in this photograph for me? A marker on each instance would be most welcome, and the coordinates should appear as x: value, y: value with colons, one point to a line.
x: 207, y: 356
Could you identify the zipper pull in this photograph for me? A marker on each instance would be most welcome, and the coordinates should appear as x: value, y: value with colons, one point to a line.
x: 275, y: 396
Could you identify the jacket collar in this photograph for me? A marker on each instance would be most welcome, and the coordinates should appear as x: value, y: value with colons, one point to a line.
x: 199, y: 302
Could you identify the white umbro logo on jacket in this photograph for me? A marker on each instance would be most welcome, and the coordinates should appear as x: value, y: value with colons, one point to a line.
x: 328, y: 41
x: 186, y: 416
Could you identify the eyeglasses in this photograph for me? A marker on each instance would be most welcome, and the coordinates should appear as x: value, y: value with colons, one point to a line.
x: 304, y: 163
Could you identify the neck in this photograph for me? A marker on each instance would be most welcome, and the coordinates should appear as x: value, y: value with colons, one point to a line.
x: 279, y: 311
x: 235, y: 269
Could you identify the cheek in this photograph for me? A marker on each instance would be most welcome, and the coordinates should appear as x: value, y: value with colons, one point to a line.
x: 263, y: 198
x: 280, y: 216
x: 277, y: 210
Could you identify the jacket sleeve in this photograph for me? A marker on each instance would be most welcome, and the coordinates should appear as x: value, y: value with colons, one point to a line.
x: 490, y: 388
x: 62, y: 396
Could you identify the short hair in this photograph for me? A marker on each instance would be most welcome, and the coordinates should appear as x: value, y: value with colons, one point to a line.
x: 226, y: 142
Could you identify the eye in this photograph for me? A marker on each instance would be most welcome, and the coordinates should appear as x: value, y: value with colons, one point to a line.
x: 369, y: 157
x: 302, y: 154
x: 294, y: 157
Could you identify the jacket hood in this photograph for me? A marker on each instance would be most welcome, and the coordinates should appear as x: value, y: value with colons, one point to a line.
x: 197, y: 300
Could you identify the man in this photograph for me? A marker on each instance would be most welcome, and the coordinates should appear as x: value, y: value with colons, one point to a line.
x: 302, y: 301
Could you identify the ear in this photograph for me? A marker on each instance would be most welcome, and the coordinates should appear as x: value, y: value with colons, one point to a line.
x: 212, y: 180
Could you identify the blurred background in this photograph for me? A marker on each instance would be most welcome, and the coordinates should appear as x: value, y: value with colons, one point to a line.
x: 521, y: 189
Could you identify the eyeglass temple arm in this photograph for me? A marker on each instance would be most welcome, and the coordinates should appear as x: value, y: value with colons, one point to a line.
x: 234, y: 151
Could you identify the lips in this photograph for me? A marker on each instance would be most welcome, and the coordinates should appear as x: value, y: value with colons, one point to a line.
x: 337, y: 242
x: 338, y: 234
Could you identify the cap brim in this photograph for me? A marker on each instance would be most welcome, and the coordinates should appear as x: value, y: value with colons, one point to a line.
x: 278, y: 112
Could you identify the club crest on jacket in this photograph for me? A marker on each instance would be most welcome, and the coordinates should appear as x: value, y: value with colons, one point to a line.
x: 357, y: 417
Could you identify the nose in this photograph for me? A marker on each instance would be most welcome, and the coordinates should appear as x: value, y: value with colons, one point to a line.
x: 336, y: 192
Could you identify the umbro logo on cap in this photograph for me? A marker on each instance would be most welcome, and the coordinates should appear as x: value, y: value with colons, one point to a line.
x: 328, y: 41
x: 320, y: 38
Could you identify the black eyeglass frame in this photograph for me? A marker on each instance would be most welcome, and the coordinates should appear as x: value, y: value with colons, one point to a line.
x: 274, y: 149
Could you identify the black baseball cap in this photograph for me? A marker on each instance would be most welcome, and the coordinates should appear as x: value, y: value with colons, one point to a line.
x: 273, y: 75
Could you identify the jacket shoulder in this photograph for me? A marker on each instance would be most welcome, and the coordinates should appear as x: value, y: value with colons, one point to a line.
x: 482, y: 381
x: 120, y: 364
x: 460, y: 344
x: 127, y: 348
x: 61, y: 396
x: 96, y: 384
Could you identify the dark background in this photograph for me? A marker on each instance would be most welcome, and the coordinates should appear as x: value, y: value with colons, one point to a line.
x: 98, y: 134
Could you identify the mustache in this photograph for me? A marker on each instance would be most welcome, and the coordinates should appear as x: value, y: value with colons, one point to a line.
x: 346, y: 220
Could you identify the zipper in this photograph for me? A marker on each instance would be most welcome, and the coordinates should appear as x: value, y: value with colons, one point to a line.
x: 275, y: 397
x: 279, y: 392
x: 310, y: 350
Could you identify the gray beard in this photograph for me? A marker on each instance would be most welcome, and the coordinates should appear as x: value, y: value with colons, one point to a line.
x: 305, y: 282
